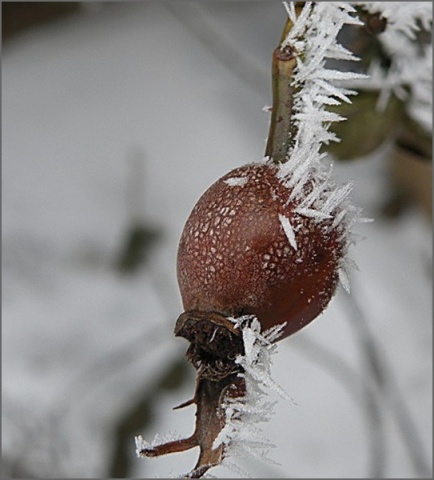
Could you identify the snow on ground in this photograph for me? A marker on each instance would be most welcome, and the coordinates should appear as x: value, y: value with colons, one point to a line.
x: 163, y: 83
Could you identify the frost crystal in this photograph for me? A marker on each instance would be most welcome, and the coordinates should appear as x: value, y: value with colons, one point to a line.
x: 241, y: 434
x: 142, y: 445
x: 289, y: 231
x: 409, y: 77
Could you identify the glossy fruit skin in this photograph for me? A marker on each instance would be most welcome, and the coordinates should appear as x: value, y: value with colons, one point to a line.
x: 234, y: 257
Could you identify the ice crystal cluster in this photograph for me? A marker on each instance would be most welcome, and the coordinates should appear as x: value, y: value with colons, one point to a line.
x: 314, y: 38
x: 241, y: 434
x: 409, y: 76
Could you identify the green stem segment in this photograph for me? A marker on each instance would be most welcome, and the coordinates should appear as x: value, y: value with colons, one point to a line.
x: 281, y: 133
x: 282, y: 130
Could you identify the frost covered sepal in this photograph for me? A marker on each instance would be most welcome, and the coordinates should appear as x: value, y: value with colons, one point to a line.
x: 241, y: 434
x: 230, y: 400
x: 214, y: 344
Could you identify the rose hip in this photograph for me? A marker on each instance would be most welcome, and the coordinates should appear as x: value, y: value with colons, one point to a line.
x: 236, y: 258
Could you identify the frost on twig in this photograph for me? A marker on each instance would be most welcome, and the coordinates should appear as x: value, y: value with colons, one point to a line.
x: 313, y: 41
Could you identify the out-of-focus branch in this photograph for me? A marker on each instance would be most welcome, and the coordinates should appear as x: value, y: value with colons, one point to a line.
x: 362, y: 392
x: 384, y: 378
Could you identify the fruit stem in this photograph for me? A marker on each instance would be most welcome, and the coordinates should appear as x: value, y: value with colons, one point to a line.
x: 209, y: 398
x: 282, y: 129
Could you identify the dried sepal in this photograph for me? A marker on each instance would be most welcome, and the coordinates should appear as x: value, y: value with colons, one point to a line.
x: 215, y: 344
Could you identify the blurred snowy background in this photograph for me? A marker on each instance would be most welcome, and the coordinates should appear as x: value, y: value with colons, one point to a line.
x: 116, y: 118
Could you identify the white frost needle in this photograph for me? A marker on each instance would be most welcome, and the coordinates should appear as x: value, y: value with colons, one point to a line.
x: 289, y: 231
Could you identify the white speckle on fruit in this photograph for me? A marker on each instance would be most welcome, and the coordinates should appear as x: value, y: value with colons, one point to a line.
x: 236, y: 181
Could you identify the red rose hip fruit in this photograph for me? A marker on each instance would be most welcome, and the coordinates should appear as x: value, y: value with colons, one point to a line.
x: 249, y: 247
